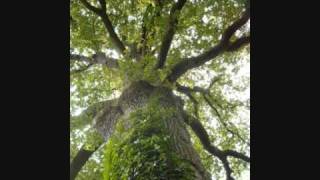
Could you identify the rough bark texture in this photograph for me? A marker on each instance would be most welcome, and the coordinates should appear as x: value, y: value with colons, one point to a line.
x: 138, y: 96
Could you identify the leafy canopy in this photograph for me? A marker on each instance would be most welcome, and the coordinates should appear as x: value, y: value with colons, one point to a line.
x: 224, y: 110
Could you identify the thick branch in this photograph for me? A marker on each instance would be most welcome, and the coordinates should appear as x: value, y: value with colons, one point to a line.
x: 185, y: 89
x: 239, y: 43
x: 82, y: 69
x: 171, y: 28
x: 206, y: 92
x: 104, y: 121
x: 235, y: 26
x: 98, y: 58
x: 79, y: 161
x: 237, y: 155
x: 90, y: 7
x: 224, y: 45
x: 114, y: 37
x: 187, y: 92
x: 101, y: 12
x: 101, y: 58
x: 203, y: 136
x: 227, y: 168
x: 77, y: 57
x: 143, y: 41
x: 103, y: 5
x: 149, y: 32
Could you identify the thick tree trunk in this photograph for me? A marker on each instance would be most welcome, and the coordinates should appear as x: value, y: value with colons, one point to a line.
x: 150, y: 140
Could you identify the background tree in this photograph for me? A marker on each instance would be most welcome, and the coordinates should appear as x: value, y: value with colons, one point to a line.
x: 158, y: 90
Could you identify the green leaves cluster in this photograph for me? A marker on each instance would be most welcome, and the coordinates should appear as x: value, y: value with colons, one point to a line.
x: 143, y: 70
x: 145, y: 150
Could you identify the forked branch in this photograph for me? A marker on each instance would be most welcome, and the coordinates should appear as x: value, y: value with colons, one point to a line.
x: 205, y: 94
x: 224, y: 45
x: 101, y: 12
x: 222, y: 155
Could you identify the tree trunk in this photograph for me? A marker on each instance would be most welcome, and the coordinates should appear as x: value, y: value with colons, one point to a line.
x: 150, y: 140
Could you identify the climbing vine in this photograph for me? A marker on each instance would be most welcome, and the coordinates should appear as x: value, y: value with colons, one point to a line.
x: 145, y: 150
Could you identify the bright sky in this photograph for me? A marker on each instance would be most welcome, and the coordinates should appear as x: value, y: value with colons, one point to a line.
x: 244, y: 71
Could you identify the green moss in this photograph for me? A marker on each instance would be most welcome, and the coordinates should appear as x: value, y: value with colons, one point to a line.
x: 144, y: 151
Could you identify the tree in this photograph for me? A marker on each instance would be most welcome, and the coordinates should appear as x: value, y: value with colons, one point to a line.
x: 137, y: 70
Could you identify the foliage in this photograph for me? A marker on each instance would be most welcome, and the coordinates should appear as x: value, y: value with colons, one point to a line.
x: 201, y: 23
x: 144, y: 152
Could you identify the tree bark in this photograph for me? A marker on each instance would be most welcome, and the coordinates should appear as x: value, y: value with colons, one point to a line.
x: 150, y: 112
x: 79, y: 161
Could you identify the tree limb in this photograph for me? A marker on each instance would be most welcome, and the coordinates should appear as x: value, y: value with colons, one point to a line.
x: 224, y: 45
x: 105, y: 118
x: 206, y: 92
x: 101, y: 12
x: 98, y: 58
x: 170, y: 31
x: 235, y: 133
x: 187, y: 92
x: 81, y: 58
x: 203, y: 136
x: 81, y: 69
x: 185, y: 89
x: 90, y: 7
x: 79, y: 161
x: 143, y: 41
x: 227, y: 168
x: 148, y: 32
x: 238, y: 43
x: 237, y: 155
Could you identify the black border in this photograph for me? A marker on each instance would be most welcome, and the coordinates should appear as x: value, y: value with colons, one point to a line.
x: 35, y: 89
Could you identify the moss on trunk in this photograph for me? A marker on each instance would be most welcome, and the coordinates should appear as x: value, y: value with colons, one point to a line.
x: 151, y: 141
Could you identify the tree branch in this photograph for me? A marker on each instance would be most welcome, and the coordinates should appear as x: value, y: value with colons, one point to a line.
x: 187, y: 92
x: 227, y: 168
x: 171, y: 28
x: 101, y: 58
x: 101, y: 12
x: 235, y: 26
x: 206, y: 92
x: 185, y: 89
x: 148, y: 32
x: 239, y: 43
x: 143, y: 41
x: 81, y: 58
x: 114, y: 37
x: 79, y: 161
x: 98, y: 58
x: 224, y: 45
x: 203, y: 136
x: 103, y: 5
x: 90, y: 7
x: 81, y: 69
x: 237, y: 155
x: 104, y: 121
x: 223, y: 122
